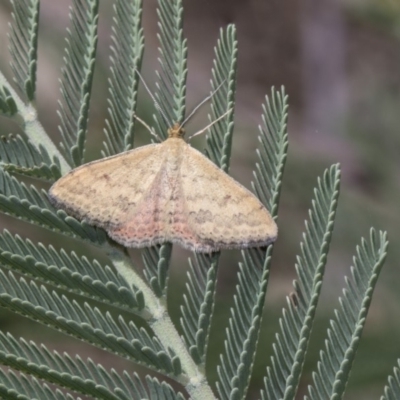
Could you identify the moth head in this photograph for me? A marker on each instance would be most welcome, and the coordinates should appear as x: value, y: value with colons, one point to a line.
x: 176, y: 131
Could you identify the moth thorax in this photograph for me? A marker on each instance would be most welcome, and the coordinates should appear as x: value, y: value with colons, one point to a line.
x: 176, y: 131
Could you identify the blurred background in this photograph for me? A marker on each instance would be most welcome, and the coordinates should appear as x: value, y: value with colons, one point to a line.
x: 339, y: 61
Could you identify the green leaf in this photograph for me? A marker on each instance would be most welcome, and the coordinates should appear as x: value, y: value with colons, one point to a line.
x: 162, y: 390
x: 69, y: 272
x: 198, y: 304
x: 199, y: 301
x: 345, y: 330
x: 77, y: 78
x: 219, y: 141
x: 8, y: 106
x: 27, y: 117
x: 19, y: 156
x: 272, y: 151
x: 127, y: 52
x: 77, y: 375
x: 242, y: 334
x: 20, y: 387
x: 156, y: 265
x: 392, y: 390
x: 244, y: 325
x: 295, y: 325
x: 171, y: 87
x: 23, y: 44
x: 86, y: 323
x: 30, y: 205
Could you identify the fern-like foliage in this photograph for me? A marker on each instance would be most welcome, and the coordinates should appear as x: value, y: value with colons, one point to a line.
x: 31, y: 205
x: 23, y: 49
x: 23, y: 45
x: 77, y: 78
x: 18, y: 155
x: 392, y: 390
x: 198, y: 305
x: 127, y: 52
x: 244, y: 325
x: 223, y: 84
x: 345, y: 330
x: 272, y: 150
x: 86, y: 323
x: 83, y: 298
x: 78, y: 375
x: 69, y: 272
x: 242, y: 334
x: 199, y: 301
x: 20, y: 387
x: 156, y: 262
x: 8, y: 106
x: 295, y: 325
x: 171, y: 87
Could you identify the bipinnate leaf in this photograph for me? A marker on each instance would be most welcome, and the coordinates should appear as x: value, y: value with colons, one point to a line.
x: 77, y: 76
x: 291, y: 342
x: 345, y: 330
x: 23, y: 44
x: 127, y: 52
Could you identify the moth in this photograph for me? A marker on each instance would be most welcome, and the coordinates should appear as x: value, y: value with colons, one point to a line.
x: 165, y: 192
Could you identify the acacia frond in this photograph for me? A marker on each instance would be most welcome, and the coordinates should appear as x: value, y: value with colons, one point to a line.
x: 77, y: 375
x: 199, y: 301
x: 23, y: 49
x: 12, y: 105
x: 345, y: 330
x: 69, y: 272
x: 8, y: 106
x: 28, y: 204
x: 86, y: 323
x: 295, y: 325
x: 19, y: 156
x: 236, y: 363
x: 77, y: 77
x: 23, y: 44
x: 244, y: 324
x: 223, y: 84
x: 171, y: 87
x: 392, y: 390
x: 20, y: 387
x: 156, y: 261
x: 272, y: 151
x: 198, y: 304
x: 126, y: 59
x: 161, y: 390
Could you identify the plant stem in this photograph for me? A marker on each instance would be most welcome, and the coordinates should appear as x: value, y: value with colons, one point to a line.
x: 28, y: 119
x: 158, y: 318
x: 194, y: 381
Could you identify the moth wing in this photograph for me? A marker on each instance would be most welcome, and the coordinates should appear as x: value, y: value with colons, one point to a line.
x: 220, y: 211
x: 106, y: 192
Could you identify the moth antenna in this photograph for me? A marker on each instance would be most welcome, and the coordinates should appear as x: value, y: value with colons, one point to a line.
x: 210, y: 125
x: 201, y: 103
x: 148, y: 127
x: 152, y: 97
